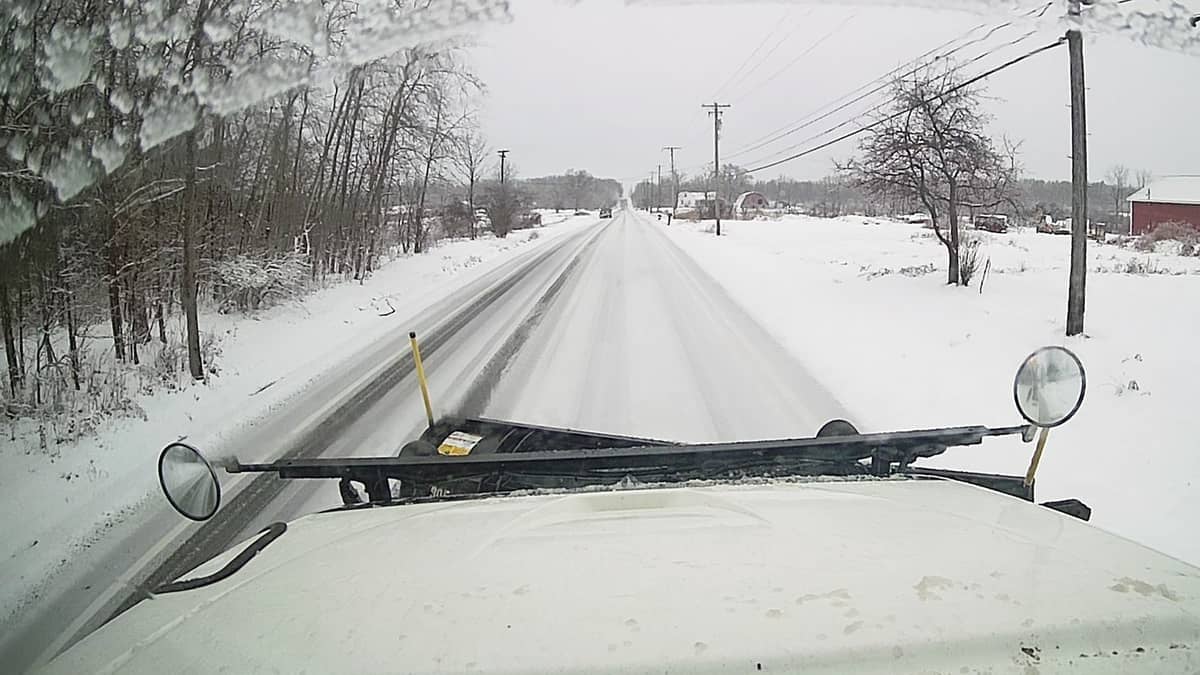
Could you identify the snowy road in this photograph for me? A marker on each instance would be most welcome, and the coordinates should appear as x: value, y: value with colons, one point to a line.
x: 643, y: 342
x: 611, y: 328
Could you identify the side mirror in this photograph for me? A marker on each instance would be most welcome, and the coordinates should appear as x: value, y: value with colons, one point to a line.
x: 1049, y: 386
x: 189, y: 482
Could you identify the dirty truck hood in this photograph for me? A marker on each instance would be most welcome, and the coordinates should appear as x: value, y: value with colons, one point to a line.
x: 862, y: 576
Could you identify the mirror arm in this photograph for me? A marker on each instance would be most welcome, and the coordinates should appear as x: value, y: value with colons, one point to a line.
x: 1005, y: 431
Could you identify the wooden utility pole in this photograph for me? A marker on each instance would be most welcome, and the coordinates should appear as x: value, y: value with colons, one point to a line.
x: 716, y: 115
x: 658, y: 190
x: 1079, y: 211
x: 674, y: 178
x: 503, y: 211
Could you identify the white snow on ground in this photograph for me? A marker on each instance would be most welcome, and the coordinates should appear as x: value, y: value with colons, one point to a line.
x: 80, y: 491
x: 853, y: 299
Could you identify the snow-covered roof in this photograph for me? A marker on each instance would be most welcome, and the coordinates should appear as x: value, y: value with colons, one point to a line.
x: 1170, y: 190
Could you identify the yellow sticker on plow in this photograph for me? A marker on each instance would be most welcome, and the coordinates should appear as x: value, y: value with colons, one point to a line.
x: 459, y: 443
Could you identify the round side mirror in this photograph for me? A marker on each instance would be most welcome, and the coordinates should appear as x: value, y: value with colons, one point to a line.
x: 1049, y: 386
x: 188, y: 481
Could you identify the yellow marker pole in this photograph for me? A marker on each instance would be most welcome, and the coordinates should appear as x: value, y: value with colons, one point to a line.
x: 1037, y: 456
x: 412, y: 339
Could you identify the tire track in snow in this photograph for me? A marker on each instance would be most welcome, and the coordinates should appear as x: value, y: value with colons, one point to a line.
x: 479, y: 396
x: 784, y: 390
x: 609, y: 327
x: 643, y: 342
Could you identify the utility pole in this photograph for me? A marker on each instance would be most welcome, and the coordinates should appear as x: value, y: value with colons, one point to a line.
x: 716, y: 115
x: 503, y: 210
x: 658, y: 190
x: 674, y: 178
x: 1079, y: 221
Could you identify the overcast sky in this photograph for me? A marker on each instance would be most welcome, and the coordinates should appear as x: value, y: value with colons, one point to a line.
x: 601, y: 85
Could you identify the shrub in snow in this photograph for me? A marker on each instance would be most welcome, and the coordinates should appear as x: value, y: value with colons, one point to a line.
x: 1136, y: 266
x: 1170, y: 247
x: 910, y: 271
x: 247, y: 283
x: 1144, y: 243
x: 968, y: 257
x: 1170, y: 239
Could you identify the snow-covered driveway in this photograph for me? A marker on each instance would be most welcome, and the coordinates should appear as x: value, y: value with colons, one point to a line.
x: 643, y: 342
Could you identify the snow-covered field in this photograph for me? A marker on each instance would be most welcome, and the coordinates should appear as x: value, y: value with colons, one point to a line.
x: 58, y: 502
x: 863, y: 304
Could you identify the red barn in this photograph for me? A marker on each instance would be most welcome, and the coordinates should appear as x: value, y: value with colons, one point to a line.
x: 1173, y: 199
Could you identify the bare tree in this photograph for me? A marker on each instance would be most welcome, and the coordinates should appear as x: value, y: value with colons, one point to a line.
x: 577, y: 185
x: 930, y: 146
x: 504, y: 201
x: 472, y: 152
x: 1117, y: 180
x: 1144, y: 177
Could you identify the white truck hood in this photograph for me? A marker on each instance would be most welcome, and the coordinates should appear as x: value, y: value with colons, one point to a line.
x: 835, y: 577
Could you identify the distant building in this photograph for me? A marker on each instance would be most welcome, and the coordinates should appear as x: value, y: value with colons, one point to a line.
x: 700, y: 204
x: 691, y: 200
x: 748, y: 203
x: 1172, y: 199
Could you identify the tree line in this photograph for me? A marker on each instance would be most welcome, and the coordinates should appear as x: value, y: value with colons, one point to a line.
x: 163, y: 154
x: 575, y: 189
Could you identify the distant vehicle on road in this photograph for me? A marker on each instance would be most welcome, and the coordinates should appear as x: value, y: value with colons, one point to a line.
x: 606, y: 213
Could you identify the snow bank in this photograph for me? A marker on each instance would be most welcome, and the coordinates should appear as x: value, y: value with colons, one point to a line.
x: 58, y: 501
x: 863, y: 303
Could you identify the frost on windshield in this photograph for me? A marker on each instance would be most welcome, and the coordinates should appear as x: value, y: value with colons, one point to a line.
x: 89, y: 88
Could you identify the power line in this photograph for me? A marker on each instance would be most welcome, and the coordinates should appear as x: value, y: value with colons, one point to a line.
x: 1011, y: 62
x: 881, y: 78
x: 779, y: 24
x: 766, y: 57
x: 880, y: 105
x: 884, y: 80
x: 802, y: 54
